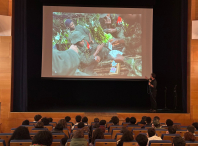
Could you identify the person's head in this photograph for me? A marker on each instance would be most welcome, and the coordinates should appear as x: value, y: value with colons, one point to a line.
x: 50, y: 119
x: 26, y: 122
x: 151, y: 132
x: 188, y: 136
x: 148, y: 120
x: 78, y: 134
x: 64, y: 141
x: 63, y: 123
x: 142, y: 140
x: 123, y: 130
x: 69, y: 24
x: 127, y: 120
x: 156, y: 124
x: 37, y: 117
x: 177, y: 127
x: 43, y: 138
x: 85, y: 119
x: 127, y: 136
x: 169, y: 122
x: 171, y: 130
x: 45, y: 121
x: 143, y: 120
x: 81, y: 125
x: 102, y: 122
x: 156, y: 118
x: 195, y: 125
x: 21, y: 133
x: 77, y: 38
x: 133, y: 120
x: 97, y: 134
x: 85, y: 129
x: 191, y: 129
x: 78, y: 119
x: 96, y: 125
x: 67, y: 118
x: 96, y: 120
x: 153, y: 76
x: 115, y: 120
x: 178, y: 141
x: 39, y: 125
x: 59, y: 126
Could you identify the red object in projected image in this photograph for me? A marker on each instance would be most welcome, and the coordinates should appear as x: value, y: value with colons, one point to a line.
x: 88, y: 46
x: 119, y: 20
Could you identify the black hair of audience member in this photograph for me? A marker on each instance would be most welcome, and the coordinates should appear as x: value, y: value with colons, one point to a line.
x: 43, y: 138
x: 78, y: 134
x: 127, y: 120
x: 37, y: 117
x: 148, y: 120
x: 115, y: 120
x: 45, y: 121
x: 156, y: 118
x: 63, y: 141
x: 67, y: 118
x: 143, y: 120
x: 133, y: 120
x: 126, y: 137
x: 110, y: 121
x: 171, y: 130
x: 151, y: 132
x: 179, y: 141
x: 50, y: 119
x: 142, y: 140
x: 39, y: 125
x: 191, y: 129
x: 84, y: 119
x: 195, y: 124
x: 20, y: 133
x: 169, y: 122
x: 26, y: 122
x: 78, y: 118
x: 188, y: 136
x: 96, y: 125
x: 123, y: 130
x: 97, y: 134
x: 96, y: 120
x: 156, y: 123
x: 102, y: 122
x: 81, y: 125
x: 63, y: 123
x: 59, y: 126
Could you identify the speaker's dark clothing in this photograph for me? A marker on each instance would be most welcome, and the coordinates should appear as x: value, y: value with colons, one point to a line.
x: 153, y: 94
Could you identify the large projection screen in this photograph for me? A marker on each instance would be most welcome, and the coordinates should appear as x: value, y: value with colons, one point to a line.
x: 94, y: 42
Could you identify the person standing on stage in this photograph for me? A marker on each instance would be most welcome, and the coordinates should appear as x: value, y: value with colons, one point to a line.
x: 153, y: 92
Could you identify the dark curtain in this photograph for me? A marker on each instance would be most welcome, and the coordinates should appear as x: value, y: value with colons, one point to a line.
x: 19, y: 56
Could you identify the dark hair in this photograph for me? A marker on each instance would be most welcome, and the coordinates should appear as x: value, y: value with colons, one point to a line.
x: 78, y: 134
x: 45, y: 121
x: 39, y: 125
x: 81, y: 125
x: 43, y: 138
x: 59, y: 126
x: 148, y: 120
x: 85, y: 119
x: 142, y: 140
x: 133, y: 120
x: 67, y: 118
x: 171, y: 130
x: 63, y: 123
x: 151, y: 132
x: 179, y: 141
x: 78, y: 118
x: 127, y: 120
x: 115, y: 120
x: 153, y: 75
x: 64, y: 140
x: 96, y: 125
x: 177, y: 127
x: 123, y: 130
x: 169, y: 122
x: 156, y: 123
x: 20, y: 133
x: 50, y: 119
x: 127, y: 136
x: 97, y: 134
x: 102, y: 122
x: 26, y: 122
x: 96, y: 120
x: 195, y: 124
x: 191, y: 129
x: 156, y: 118
x: 37, y: 117
x: 188, y: 136
x: 143, y: 120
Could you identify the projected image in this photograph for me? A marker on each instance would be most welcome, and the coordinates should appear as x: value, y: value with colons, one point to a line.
x: 93, y: 44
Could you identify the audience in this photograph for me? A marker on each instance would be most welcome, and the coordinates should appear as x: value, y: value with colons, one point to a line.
x: 39, y: 125
x: 126, y: 137
x: 20, y: 133
x: 171, y: 130
x: 63, y: 123
x: 78, y: 139
x: 81, y: 125
x: 156, y: 124
x: 50, y: 119
x: 37, y: 118
x: 85, y: 120
x: 191, y: 129
x: 97, y: 134
x: 178, y: 141
x: 156, y: 118
x: 127, y: 120
x: 67, y: 119
x: 115, y: 120
x: 169, y: 122
x: 63, y: 141
x: 132, y: 121
x: 78, y: 120
x: 42, y: 138
x: 58, y: 128
x: 26, y: 122
x: 142, y: 140
x: 148, y: 121
x: 188, y: 136
x: 45, y: 121
x: 102, y: 122
x: 195, y: 125
x: 96, y: 120
x: 152, y: 135
x: 143, y: 120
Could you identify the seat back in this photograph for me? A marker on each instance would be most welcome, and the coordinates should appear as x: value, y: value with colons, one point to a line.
x: 75, y: 129
x: 115, y: 131
x: 196, y: 132
x: 181, y: 132
x: 160, y: 143
x: 29, y: 127
x: 169, y: 136
x: 132, y: 143
x: 2, y: 142
x: 147, y: 127
x: 176, y: 123
x: 165, y: 127
x: 20, y: 142
x: 191, y: 143
x: 138, y: 131
x: 6, y: 137
x: 105, y: 142
x: 124, y: 124
x: 69, y: 128
x: 56, y: 142
x: 118, y: 136
x: 66, y: 131
x: 53, y: 124
x: 130, y: 127
x: 32, y: 123
x: 58, y: 135
x: 32, y: 135
x: 109, y: 124
x: 114, y: 126
x: 107, y: 135
x: 69, y: 123
x: 86, y: 136
x: 49, y: 127
x: 183, y: 127
x: 35, y: 130
x: 159, y: 132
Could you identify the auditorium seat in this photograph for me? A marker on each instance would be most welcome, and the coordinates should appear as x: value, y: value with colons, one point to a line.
x: 109, y: 124
x: 130, y: 127
x: 2, y: 142
x: 183, y: 127
x: 147, y: 127
x: 76, y: 126
x: 66, y: 131
x: 160, y: 143
x: 105, y: 142
x: 20, y: 142
x: 181, y: 132
x: 141, y: 125
x: 86, y: 136
x: 69, y: 141
x: 35, y: 130
x: 165, y: 127
x: 191, y: 143
x: 106, y: 130
x: 56, y: 142
x: 113, y: 127
x: 69, y: 128
x: 32, y: 135
x: 49, y: 127
x: 176, y: 123
x: 114, y: 132
x: 75, y: 129
x: 58, y: 135
x: 32, y: 123
x: 124, y: 124
x: 138, y: 131
x: 196, y: 137
x: 107, y: 135
x: 29, y: 127
x: 196, y: 132
x: 131, y: 143
x: 13, y: 129
x: 93, y: 123
x: 69, y: 123
x: 169, y: 136
x: 159, y: 132
x: 118, y: 136
x: 6, y: 137
x: 53, y: 124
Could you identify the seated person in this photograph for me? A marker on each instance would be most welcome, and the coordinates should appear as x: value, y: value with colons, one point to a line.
x: 63, y: 141
x: 156, y: 124
x: 96, y: 120
x: 39, y: 125
x: 148, y: 121
x: 97, y: 134
x: 142, y: 140
x: 127, y: 120
x: 63, y: 123
x: 42, y: 138
x: 126, y: 137
x: 78, y: 139
x: 26, y: 122
x: 81, y: 125
x: 115, y: 120
x: 169, y: 122
x: 171, y: 130
x: 37, y: 118
x: 188, y: 136
x: 68, y: 119
x: 58, y: 128
x: 178, y: 141
x: 143, y: 120
x: 152, y: 135
x: 102, y: 122
x: 156, y: 118
x: 132, y: 121
x: 78, y: 120
x: 85, y: 121
x: 195, y: 125
x: 45, y: 121
x: 191, y: 129
x: 50, y: 119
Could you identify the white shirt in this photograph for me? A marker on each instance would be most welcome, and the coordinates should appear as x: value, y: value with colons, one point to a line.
x: 154, y: 138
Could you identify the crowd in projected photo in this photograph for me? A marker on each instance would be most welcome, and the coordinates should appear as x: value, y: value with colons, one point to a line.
x: 93, y: 44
